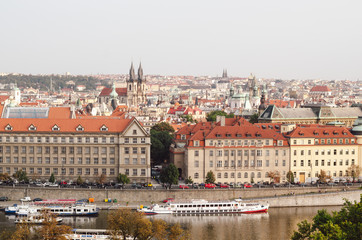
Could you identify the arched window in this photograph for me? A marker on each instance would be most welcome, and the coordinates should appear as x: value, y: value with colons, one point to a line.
x: 246, y: 175
x: 226, y: 175
x: 219, y: 175
x: 259, y: 174
x: 252, y: 175
x: 196, y: 175
x: 239, y: 175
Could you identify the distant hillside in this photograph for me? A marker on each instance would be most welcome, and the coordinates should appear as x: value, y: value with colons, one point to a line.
x: 42, y: 82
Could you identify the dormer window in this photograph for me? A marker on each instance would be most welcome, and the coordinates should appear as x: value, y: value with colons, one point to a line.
x: 8, y: 127
x: 196, y: 143
x: 248, y: 134
x: 55, y: 128
x: 32, y: 128
x: 315, y: 133
x: 238, y: 135
x: 218, y: 135
x: 103, y: 128
x: 301, y: 133
x: 228, y: 135
x: 258, y: 134
x: 79, y: 128
x: 325, y: 133
x: 183, y: 137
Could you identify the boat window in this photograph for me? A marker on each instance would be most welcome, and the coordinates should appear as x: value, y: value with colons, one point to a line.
x: 202, y: 205
x: 194, y: 205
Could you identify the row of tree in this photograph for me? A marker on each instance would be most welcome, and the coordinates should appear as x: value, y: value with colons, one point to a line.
x: 122, y: 224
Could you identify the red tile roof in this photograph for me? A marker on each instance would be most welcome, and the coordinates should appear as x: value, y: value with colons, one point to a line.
x: 320, y: 89
x: 59, y: 113
x: 107, y: 91
x: 320, y: 132
x: 66, y: 125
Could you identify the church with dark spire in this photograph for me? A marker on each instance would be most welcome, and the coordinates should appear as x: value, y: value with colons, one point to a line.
x: 132, y: 95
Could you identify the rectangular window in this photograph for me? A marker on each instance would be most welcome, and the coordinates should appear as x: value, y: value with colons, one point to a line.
x: 95, y: 140
x: 143, y: 160
x: 219, y: 164
x: 219, y: 153
x: 112, y: 150
x: 55, y: 171
x: 316, y: 163
x: 80, y: 160
x: 302, y: 163
x: 104, y: 160
x: 63, y: 150
x: 143, y: 172
x: 111, y: 161
x: 95, y: 150
x: 267, y: 163
x: 276, y: 162
x: 127, y: 172
x: 95, y: 160
x: 87, y: 150
x: 79, y: 150
x: 71, y: 171
x: 126, y: 150
x: 134, y: 172
x: 23, y: 160
x: 284, y: 163
x: 87, y: 171
x: 71, y: 160
x: 55, y: 150
x: 259, y: 153
x: 134, y: 140
x: 31, y: 149
x: 196, y: 153
x: 134, y: 161
x: 143, y: 140
x: 104, y: 150
x: 211, y: 164
x: 104, y: 140
x: 211, y: 153
x: 196, y: 164
x: 79, y: 171
x: 31, y: 160
x: 87, y: 160
x: 126, y: 161
x: 71, y: 150
x: 40, y: 160
x: 95, y: 171
x: 111, y: 171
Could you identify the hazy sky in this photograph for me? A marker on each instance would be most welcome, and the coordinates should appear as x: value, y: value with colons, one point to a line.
x: 271, y: 38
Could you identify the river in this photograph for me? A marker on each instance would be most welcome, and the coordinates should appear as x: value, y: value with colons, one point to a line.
x: 278, y: 224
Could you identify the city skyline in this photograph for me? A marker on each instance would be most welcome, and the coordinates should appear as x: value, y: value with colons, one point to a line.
x: 308, y: 40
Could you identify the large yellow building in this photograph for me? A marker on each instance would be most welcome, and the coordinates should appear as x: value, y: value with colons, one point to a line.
x: 42, y: 141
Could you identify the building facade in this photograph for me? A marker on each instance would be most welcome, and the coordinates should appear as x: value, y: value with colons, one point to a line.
x: 69, y: 148
x: 235, y: 153
x: 331, y: 149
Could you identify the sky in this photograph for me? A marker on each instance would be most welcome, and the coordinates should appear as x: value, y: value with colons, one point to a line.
x: 285, y: 39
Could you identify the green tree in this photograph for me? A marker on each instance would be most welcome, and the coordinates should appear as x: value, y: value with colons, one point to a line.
x: 345, y: 224
x: 189, y: 180
x: 211, y: 117
x: 52, y: 178
x: 21, y: 175
x: 290, y: 177
x: 187, y: 118
x: 163, y: 127
x: 254, y: 118
x: 123, y: 178
x: 160, y: 145
x: 169, y: 175
x: 210, y: 177
x: 80, y: 180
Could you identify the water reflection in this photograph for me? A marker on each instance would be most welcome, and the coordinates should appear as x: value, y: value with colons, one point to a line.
x: 279, y: 223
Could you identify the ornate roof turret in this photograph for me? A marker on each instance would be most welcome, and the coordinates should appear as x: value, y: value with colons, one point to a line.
x: 132, y: 76
x: 140, y: 73
x: 113, y: 94
x: 224, y: 73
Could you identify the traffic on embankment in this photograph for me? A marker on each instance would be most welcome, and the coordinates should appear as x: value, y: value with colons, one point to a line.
x: 110, y: 198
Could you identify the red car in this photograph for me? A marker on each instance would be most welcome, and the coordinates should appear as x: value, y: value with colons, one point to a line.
x: 247, y: 185
x: 224, y: 186
x: 168, y: 200
x: 184, y: 187
x: 210, y: 185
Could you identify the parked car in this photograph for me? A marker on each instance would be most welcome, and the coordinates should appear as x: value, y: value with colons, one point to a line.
x: 184, y: 187
x: 246, y: 185
x: 53, y: 185
x: 210, y: 185
x: 26, y: 199
x: 84, y: 200
x: 4, y: 199
x: 37, y: 200
x: 137, y: 186
x: 223, y: 185
x: 168, y: 200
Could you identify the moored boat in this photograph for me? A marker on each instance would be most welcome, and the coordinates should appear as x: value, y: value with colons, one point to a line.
x: 205, y: 207
x: 63, y: 210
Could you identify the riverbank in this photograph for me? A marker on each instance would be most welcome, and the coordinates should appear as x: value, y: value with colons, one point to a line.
x: 282, y: 197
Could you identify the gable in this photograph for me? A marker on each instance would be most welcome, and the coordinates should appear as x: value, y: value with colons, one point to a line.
x: 135, y: 129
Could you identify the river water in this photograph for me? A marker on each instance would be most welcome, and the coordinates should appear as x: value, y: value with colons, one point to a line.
x: 278, y: 224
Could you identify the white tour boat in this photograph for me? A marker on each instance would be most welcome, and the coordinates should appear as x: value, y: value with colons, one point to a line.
x: 65, y: 210
x: 205, y: 207
x: 91, y: 234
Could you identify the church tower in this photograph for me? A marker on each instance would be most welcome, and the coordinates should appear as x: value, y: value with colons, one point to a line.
x: 136, y: 89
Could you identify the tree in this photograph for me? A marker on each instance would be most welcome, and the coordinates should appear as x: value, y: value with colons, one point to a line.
x: 210, y: 177
x: 353, y: 171
x: 102, y: 179
x: 211, y: 117
x: 274, y: 176
x: 21, y: 175
x: 290, y: 177
x: 345, y: 224
x: 189, y: 180
x: 79, y: 180
x: 161, y: 142
x: 169, y: 175
x: 52, y: 178
x: 187, y: 118
x: 126, y: 223
x: 163, y: 127
x: 50, y: 230
x: 254, y: 118
x: 323, y: 176
x: 4, y: 177
x: 123, y: 178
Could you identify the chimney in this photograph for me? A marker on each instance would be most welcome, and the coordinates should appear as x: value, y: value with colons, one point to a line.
x: 222, y: 121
